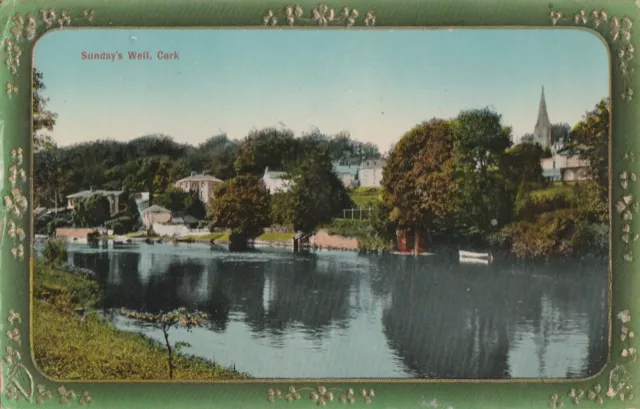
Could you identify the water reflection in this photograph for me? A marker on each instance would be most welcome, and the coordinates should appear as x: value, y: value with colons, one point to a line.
x: 278, y: 314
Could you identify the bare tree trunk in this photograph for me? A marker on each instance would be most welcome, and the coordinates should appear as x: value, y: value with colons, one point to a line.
x: 165, y: 330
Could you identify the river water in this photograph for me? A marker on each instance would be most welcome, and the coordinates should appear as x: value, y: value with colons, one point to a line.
x: 275, y: 314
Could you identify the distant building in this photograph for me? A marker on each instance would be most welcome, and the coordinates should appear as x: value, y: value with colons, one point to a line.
x: 117, y: 201
x: 275, y: 181
x: 566, y: 168
x: 142, y: 200
x: 155, y: 214
x: 542, y: 130
x: 370, y: 173
x: 204, y: 184
x: 347, y: 173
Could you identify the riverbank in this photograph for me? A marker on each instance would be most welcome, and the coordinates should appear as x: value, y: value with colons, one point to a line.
x: 60, y: 336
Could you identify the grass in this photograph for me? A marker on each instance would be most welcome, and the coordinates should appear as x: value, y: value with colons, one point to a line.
x: 107, y: 352
x: 366, y: 196
x: 276, y: 237
x: 349, y: 228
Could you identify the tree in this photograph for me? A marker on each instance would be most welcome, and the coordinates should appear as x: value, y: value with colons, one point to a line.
x: 92, y: 212
x: 590, y: 140
x: 560, y: 132
x: 180, y: 318
x: 316, y: 194
x: 173, y: 198
x: 242, y: 204
x: 419, y: 187
x: 485, y: 199
x: 193, y: 206
x: 271, y: 147
x: 522, y: 163
x: 43, y: 119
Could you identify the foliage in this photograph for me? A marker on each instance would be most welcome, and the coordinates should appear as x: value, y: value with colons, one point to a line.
x: 562, y: 233
x: 349, y: 228
x: 179, y: 318
x: 590, y: 138
x: 274, y: 148
x: 381, y: 224
x: 43, y: 119
x: 316, y: 194
x: 241, y: 203
x: 419, y: 188
x: 365, y: 196
x: 92, y: 212
x: 177, y: 200
x: 485, y: 199
x: 522, y: 163
x: 55, y: 252
x: 121, y: 225
x: 55, y: 224
x: 279, y: 213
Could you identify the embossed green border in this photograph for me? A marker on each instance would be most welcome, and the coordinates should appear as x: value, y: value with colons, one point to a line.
x: 22, y: 22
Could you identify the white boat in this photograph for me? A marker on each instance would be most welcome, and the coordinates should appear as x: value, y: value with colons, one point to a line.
x: 474, y: 255
x: 468, y: 260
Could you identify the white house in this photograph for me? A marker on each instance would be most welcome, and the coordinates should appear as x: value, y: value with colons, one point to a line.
x: 370, y: 173
x: 567, y: 168
x: 275, y: 181
x: 204, y: 184
x: 155, y: 214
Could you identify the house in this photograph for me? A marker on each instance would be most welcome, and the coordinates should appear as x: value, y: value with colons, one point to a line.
x: 564, y: 167
x: 202, y: 183
x: 275, y: 181
x: 155, y: 214
x: 116, y: 198
x: 347, y: 173
x: 370, y: 173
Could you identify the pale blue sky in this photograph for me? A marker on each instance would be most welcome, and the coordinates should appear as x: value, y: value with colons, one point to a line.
x: 376, y: 84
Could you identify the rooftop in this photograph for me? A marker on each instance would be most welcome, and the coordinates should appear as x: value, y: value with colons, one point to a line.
x: 372, y: 164
x: 156, y: 209
x: 200, y: 177
x: 346, y: 169
x: 274, y: 174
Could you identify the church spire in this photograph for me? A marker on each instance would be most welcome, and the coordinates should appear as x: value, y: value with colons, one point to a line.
x: 542, y: 132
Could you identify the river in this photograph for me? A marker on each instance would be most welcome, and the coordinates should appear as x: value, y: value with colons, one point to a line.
x: 276, y: 314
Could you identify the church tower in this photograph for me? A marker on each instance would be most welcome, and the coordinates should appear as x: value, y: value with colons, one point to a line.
x: 542, y: 131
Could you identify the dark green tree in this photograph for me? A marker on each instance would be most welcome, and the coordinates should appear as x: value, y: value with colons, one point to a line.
x: 43, y: 119
x: 92, y: 212
x: 316, y: 195
x: 486, y: 200
x: 274, y: 148
x: 241, y: 204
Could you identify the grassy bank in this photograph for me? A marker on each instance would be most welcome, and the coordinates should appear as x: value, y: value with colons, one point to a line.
x: 366, y: 196
x: 107, y: 353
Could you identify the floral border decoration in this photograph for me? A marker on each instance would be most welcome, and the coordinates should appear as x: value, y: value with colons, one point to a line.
x: 20, y: 383
x: 619, y: 32
x: 322, y: 15
x: 321, y: 395
x: 24, y: 29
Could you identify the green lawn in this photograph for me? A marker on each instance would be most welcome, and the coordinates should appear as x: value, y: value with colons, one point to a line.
x: 366, y: 196
x: 208, y: 237
x: 276, y: 237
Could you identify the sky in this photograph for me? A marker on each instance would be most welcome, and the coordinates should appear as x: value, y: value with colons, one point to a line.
x: 374, y: 83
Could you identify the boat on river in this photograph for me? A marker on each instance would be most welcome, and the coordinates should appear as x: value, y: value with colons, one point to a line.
x: 474, y: 257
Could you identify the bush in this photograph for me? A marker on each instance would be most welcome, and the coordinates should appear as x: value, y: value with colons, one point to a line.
x: 543, y: 201
x: 55, y: 224
x: 121, y: 225
x: 350, y: 228
x: 94, y: 235
x: 55, y: 252
x: 554, y: 234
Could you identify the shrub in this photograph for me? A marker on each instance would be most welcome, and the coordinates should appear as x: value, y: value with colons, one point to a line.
x: 55, y: 224
x: 55, y: 252
x: 121, y: 225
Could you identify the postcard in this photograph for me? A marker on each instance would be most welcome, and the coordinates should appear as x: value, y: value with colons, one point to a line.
x: 321, y: 208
